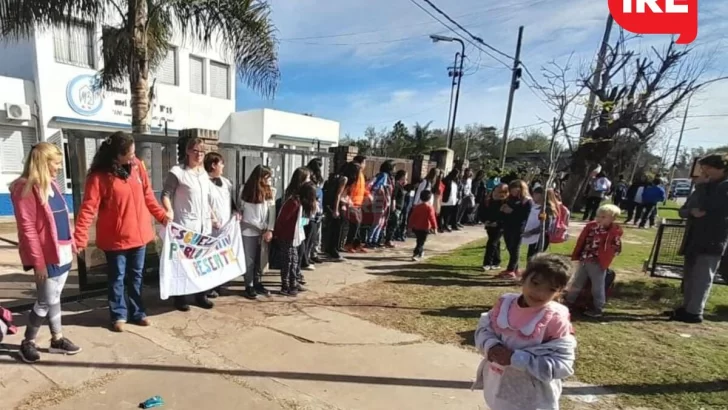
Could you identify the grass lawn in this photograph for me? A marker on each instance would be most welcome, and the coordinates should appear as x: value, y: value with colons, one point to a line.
x: 632, y: 351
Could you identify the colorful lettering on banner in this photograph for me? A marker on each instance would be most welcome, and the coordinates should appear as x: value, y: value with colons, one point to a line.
x: 193, y: 262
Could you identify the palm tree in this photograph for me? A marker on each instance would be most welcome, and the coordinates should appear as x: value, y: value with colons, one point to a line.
x: 422, y: 140
x: 242, y: 29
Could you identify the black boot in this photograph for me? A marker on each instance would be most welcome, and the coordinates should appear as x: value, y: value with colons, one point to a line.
x: 180, y: 303
x: 202, y: 301
x: 250, y: 293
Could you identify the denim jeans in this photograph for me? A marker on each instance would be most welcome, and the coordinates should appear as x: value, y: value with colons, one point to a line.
x: 126, y: 270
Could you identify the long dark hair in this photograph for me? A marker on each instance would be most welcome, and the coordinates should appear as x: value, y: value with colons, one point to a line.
x: 256, y: 190
x: 115, y: 145
x: 387, y: 167
x: 454, y: 175
x: 315, y: 166
x: 298, y: 179
x: 351, y: 171
x: 306, y: 194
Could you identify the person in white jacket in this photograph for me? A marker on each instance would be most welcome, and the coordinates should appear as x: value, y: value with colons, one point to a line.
x: 527, y: 341
x: 258, y: 217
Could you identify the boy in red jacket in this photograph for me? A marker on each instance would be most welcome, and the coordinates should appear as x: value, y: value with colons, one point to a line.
x: 598, y: 244
x: 422, y: 222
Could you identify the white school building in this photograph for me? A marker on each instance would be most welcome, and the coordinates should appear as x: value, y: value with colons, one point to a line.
x: 46, y: 84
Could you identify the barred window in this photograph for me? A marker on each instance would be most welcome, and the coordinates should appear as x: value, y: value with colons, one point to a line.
x: 74, y: 44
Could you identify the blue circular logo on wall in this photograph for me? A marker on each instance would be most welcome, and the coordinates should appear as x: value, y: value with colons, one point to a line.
x: 82, y: 95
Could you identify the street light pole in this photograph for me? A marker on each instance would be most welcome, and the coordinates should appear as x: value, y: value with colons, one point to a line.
x: 435, y: 38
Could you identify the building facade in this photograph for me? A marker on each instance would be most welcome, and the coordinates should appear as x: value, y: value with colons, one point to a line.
x: 46, y: 84
x: 272, y: 128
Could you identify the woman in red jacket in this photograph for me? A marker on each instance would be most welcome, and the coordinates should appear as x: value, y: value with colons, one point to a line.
x: 118, y: 190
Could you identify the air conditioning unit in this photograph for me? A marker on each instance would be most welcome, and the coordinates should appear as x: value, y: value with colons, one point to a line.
x: 18, y: 112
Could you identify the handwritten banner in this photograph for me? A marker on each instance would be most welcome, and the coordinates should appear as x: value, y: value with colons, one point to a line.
x: 191, y: 262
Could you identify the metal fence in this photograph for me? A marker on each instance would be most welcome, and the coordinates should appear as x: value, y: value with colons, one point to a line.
x: 160, y: 155
x: 666, y: 261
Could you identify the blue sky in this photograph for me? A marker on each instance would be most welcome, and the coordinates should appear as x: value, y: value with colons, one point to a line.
x: 371, y: 62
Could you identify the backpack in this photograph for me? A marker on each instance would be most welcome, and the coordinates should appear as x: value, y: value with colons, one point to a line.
x: 559, y: 232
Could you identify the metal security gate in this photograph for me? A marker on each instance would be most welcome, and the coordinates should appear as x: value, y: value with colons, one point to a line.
x: 160, y: 155
x: 240, y: 160
x: 665, y: 260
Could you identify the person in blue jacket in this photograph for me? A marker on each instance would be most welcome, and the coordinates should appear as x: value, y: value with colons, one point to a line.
x: 652, y: 195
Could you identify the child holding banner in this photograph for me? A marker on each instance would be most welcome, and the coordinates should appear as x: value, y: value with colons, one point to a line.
x: 223, y: 200
x: 289, y: 234
x: 256, y: 196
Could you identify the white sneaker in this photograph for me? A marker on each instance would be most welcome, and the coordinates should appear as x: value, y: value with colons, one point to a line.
x: 310, y: 267
x: 486, y: 268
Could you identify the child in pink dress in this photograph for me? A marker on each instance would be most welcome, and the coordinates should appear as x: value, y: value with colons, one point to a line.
x: 527, y: 341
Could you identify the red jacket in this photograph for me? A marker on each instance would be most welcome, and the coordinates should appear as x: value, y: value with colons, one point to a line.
x: 37, y: 236
x: 422, y: 218
x: 287, y: 221
x: 611, y: 244
x: 123, y: 208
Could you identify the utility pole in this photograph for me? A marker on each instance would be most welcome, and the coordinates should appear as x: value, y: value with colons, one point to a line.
x: 515, y: 83
x: 459, y: 74
x: 677, y: 150
x: 452, y: 89
x: 596, y: 78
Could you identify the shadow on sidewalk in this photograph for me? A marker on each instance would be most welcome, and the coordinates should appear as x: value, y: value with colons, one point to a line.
x: 634, y: 389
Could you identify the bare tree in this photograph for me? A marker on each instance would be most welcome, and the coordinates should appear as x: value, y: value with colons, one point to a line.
x: 561, y: 93
x: 637, y: 95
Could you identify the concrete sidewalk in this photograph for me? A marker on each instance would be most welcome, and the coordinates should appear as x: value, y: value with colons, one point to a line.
x: 272, y: 354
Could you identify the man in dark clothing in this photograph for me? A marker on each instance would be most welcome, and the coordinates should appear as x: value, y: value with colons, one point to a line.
x: 628, y: 203
x: 705, y: 239
x: 619, y: 192
x: 395, y: 214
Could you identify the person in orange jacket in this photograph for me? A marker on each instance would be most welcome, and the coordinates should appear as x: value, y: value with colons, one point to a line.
x: 119, y: 192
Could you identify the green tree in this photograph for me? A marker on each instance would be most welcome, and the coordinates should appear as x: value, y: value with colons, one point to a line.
x: 422, y: 140
x: 140, y: 39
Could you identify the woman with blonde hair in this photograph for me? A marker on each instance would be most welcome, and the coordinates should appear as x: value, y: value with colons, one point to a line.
x: 45, y: 244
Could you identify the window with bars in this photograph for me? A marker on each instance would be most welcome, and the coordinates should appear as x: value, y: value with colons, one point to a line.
x: 197, y: 75
x: 219, y: 80
x: 166, y: 72
x: 74, y: 44
x: 15, y: 145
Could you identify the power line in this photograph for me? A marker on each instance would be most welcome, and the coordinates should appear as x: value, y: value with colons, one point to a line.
x: 473, y: 36
x: 458, y: 34
x: 383, y: 29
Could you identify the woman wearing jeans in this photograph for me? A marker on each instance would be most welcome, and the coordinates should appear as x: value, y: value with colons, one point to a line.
x: 45, y: 244
x: 119, y: 192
